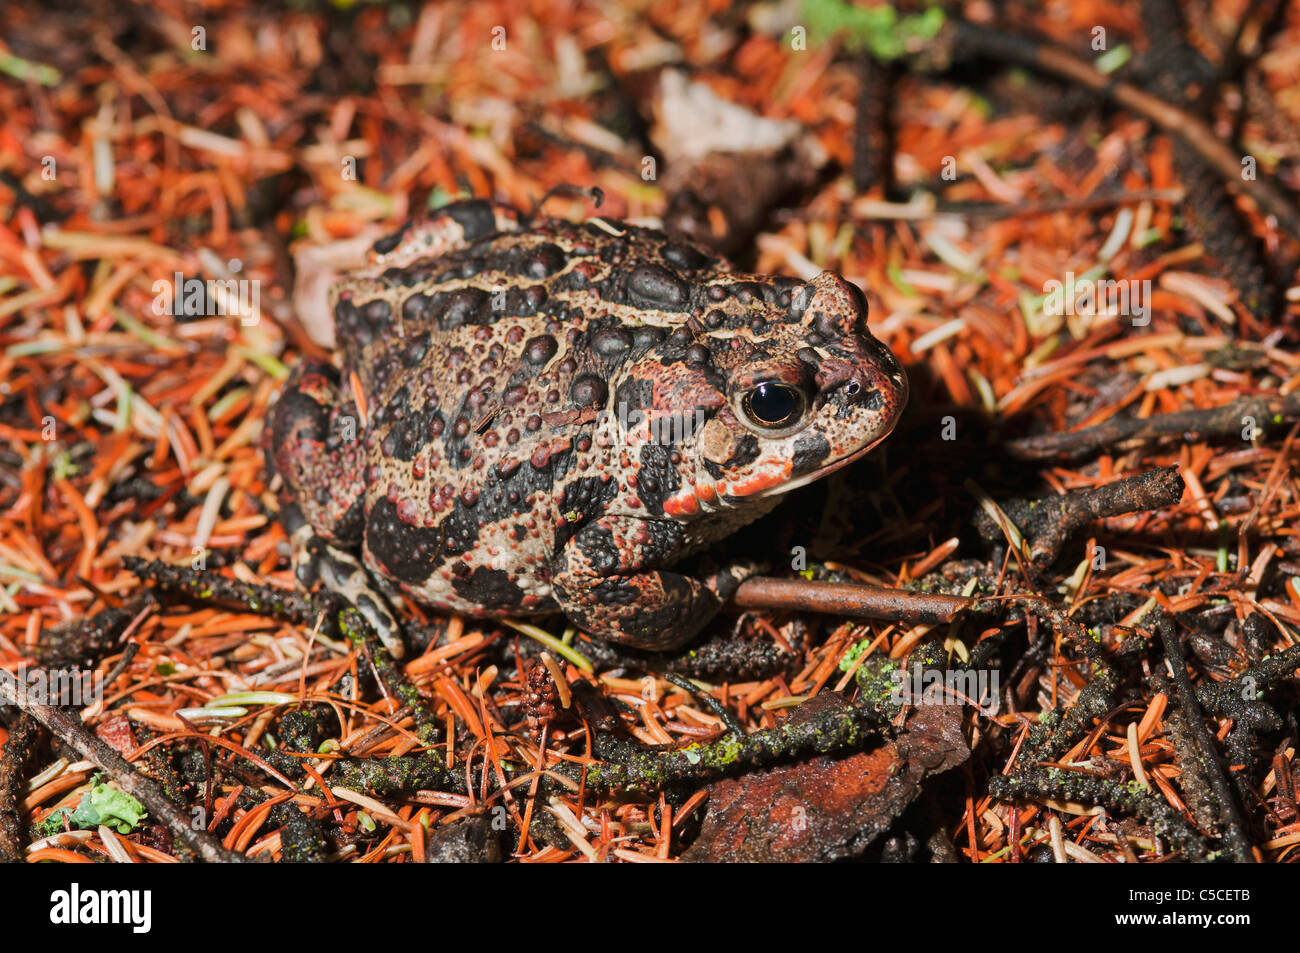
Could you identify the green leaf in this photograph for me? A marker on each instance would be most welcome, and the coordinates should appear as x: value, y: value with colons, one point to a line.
x: 26, y: 70
x: 105, y: 805
x: 100, y: 805
x: 1112, y: 60
x: 879, y: 29
x: 440, y: 197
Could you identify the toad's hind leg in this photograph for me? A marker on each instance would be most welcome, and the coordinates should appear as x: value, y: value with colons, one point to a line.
x: 314, y: 444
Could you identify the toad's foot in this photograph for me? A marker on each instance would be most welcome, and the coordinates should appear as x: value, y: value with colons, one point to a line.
x: 315, y: 560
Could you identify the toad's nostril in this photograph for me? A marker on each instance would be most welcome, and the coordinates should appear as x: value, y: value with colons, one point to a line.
x: 859, y: 394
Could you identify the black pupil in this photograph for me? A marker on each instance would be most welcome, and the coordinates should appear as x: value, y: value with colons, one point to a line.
x: 772, y: 403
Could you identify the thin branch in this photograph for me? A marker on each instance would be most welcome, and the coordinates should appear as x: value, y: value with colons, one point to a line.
x: 1049, y: 522
x: 1191, y: 425
x: 22, y: 739
x: 849, y: 599
x: 1235, y: 835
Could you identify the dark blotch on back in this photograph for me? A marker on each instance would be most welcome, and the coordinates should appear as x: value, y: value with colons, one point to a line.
x: 297, y: 416
x: 545, y: 260
x: 389, y: 242
x: 522, y: 482
x: 610, y: 343
x: 474, y: 217
x: 407, y: 553
x: 587, y: 498
x: 461, y: 307
x: 415, y: 350
x: 634, y: 394
x: 530, y: 261
x: 539, y: 350
x: 488, y: 588
x: 459, y: 531
x: 417, y: 308
x: 589, y: 390
x: 684, y: 257
x: 647, y: 336
x: 350, y: 327
x: 411, y: 428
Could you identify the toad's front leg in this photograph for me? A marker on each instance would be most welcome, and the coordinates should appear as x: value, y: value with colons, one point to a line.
x: 607, y: 579
x: 314, y: 443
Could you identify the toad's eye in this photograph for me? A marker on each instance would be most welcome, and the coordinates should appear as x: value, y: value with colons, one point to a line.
x: 772, y: 405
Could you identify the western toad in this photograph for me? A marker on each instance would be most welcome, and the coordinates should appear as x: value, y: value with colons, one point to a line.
x: 531, y: 415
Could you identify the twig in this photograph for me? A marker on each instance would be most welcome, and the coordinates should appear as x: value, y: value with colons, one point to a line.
x: 301, y: 609
x: 1192, y: 130
x: 1088, y: 203
x: 85, y: 640
x: 849, y: 599
x: 1058, y: 729
x: 384, y: 776
x: 1193, y: 778
x: 363, y: 637
x: 1235, y: 59
x: 833, y: 730
x: 638, y: 768
x: 708, y: 701
x: 1226, y: 697
x: 209, y: 586
x: 1235, y: 835
x: 1039, y: 782
x: 22, y: 738
x: 1191, y: 425
x: 1049, y: 522
x: 873, y: 126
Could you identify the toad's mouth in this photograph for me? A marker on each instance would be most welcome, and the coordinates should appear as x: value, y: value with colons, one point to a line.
x: 817, y: 474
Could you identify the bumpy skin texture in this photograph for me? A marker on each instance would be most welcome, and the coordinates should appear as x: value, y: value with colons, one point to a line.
x: 539, y: 415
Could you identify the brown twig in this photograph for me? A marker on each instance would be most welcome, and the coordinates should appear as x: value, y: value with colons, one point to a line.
x: 1049, y: 522
x: 1089, y: 203
x: 22, y: 738
x: 1237, y: 55
x: 1235, y: 835
x: 1117, y: 434
x: 849, y: 599
x: 873, y: 126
